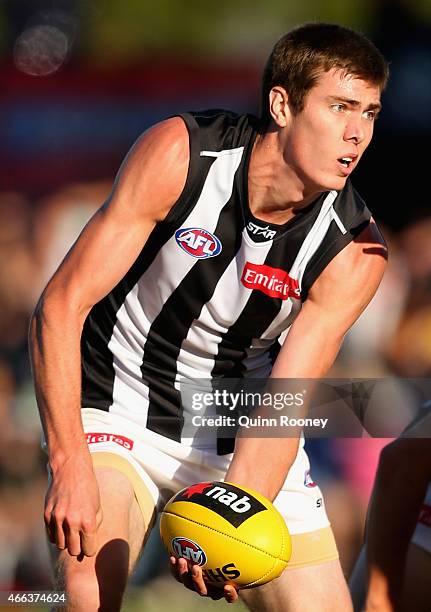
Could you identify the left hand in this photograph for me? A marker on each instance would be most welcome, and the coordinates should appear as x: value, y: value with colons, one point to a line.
x: 192, y: 578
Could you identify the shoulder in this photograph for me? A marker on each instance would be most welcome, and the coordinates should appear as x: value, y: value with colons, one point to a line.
x: 351, y: 208
x: 362, y: 259
x: 367, y: 250
x: 154, y: 171
x: 219, y: 129
x: 164, y: 146
x: 351, y: 279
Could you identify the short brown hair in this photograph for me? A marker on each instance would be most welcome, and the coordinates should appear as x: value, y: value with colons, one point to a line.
x: 301, y: 55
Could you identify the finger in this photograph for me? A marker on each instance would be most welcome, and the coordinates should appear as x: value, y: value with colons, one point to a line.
x: 88, y: 543
x: 50, y: 528
x: 184, y: 574
x: 73, y: 542
x: 174, y: 568
x: 214, y: 592
x: 60, y: 536
x: 230, y: 593
x: 47, y: 516
x: 198, y: 581
x: 183, y: 568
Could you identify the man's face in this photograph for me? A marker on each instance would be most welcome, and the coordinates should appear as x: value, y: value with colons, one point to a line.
x: 328, y: 137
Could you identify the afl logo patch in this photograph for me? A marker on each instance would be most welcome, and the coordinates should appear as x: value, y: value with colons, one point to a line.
x: 187, y: 549
x: 198, y: 242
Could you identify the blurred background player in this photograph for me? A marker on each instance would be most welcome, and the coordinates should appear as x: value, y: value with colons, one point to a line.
x: 393, y: 572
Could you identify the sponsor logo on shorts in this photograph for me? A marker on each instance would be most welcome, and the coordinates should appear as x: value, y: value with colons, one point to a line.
x: 224, y: 499
x: 187, y: 549
x: 425, y: 515
x: 94, y: 438
x: 198, y: 242
x: 260, y: 233
x: 275, y: 282
x: 308, y: 481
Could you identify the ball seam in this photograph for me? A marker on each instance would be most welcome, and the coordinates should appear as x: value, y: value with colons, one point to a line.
x: 222, y: 533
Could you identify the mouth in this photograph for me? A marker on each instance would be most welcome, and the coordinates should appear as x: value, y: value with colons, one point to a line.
x: 348, y: 163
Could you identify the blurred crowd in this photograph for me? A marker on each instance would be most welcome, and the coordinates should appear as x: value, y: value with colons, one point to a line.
x: 393, y: 337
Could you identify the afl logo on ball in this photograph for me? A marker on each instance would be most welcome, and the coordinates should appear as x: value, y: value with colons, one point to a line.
x: 198, y: 242
x: 187, y: 549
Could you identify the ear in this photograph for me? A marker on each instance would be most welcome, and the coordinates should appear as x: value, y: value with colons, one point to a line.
x: 278, y: 105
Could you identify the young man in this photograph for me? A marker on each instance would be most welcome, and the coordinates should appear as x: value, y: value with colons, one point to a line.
x: 393, y: 571
x: 170, y: 280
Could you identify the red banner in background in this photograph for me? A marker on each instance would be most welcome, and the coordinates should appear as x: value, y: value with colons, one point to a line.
x: 78, y: 123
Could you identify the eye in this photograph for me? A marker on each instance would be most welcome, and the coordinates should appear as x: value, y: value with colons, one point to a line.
x: 339, y: 107
x: 370, y: 115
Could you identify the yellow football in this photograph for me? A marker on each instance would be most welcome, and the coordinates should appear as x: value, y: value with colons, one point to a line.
x: 235, y: 534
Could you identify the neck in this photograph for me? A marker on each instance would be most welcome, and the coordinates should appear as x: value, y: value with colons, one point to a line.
x: 276, y: 192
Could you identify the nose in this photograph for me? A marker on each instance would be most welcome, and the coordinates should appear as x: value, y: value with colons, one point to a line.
x: 354, y: 131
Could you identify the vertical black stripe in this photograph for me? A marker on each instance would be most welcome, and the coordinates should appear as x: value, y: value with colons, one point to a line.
x: 256, y: 316
x: 172, y: 325
x: 97, y: 363
x: 355, y: 217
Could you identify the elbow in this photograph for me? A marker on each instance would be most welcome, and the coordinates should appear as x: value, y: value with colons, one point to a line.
x: 52, y: 311
x: 35, y: 324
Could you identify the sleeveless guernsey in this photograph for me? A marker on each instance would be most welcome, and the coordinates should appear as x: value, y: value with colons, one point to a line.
x: 213, y: 288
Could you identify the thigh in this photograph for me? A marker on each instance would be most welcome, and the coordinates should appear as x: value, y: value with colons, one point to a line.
x: 135, y: 508
x: 312, y: 588
x: 100, y: 581
x: 313, y: 580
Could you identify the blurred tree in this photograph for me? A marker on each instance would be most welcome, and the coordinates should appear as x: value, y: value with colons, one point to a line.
x: 115, y: 33
x: 244, y: 27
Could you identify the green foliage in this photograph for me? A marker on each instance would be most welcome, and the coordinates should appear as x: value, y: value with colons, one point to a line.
x: 125, y: 29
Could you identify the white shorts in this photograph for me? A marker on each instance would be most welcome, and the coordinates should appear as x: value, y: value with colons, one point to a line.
x: 422, y: 534
x: 166, y: 466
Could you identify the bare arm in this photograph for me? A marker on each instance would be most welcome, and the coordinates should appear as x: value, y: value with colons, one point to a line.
x: 149, y: 182
x: 402, y: 478
x: 335, y: 301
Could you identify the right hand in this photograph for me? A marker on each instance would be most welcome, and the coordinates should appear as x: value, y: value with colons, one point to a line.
x: 191, y: 577
x: 72, y: 507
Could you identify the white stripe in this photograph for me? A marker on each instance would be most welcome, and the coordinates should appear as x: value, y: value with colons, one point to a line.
x: 215, y: 319
x: 338, y: 221
x: 222, y: 153
x: 309, y: 247
x: 288, y: 312
x: 146, y: 299
x: 218, y: 315
x: 127, y: 345
x: 313, y: 239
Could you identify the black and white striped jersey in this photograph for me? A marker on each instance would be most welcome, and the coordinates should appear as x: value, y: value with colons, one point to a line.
x: 213, y: 288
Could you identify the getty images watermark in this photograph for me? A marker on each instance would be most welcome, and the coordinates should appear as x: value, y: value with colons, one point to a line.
x: 235, y: 403
x: 384, y: 408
